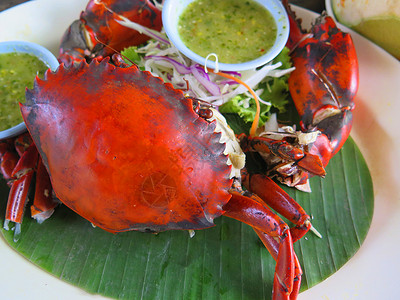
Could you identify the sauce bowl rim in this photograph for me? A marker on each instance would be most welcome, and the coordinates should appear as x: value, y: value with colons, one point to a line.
x: 34, y: 49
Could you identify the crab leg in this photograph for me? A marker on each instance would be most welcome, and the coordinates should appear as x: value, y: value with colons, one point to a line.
x: 249, y: 209
x: 8, y: 159
x: 18, y: 196
x: 20, y: 180
x: 43, y: 202
x: 273, y: 248
x: 22, y: 143
x: 306, y: 161
x: 280, y: 201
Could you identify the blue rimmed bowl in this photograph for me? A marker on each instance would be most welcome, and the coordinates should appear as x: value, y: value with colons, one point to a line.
x: 172, y: 9
x: 34, y: 49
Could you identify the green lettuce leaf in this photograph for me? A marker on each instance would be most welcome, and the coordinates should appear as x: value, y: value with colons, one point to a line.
x: 284, y: 58
x: 276, y: 92
x: 245, y: 108
x: 131, y: 56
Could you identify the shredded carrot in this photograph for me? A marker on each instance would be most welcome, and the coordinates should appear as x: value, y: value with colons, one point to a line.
x: 254, y: 125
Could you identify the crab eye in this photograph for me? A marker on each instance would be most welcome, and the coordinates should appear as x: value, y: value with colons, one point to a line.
x: 205, y: 113
x: 196, y: 106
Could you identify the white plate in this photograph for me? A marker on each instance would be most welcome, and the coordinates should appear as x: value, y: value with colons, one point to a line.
x: 329, y: 9
x: 371, y: 274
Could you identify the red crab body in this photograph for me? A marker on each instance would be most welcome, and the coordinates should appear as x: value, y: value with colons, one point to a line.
x: 147, y: 160
x: 128, y: 152
x: 98, y: 34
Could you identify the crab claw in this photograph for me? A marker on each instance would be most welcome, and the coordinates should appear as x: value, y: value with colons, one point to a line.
x: 325, y: 80
x: 97, y: 32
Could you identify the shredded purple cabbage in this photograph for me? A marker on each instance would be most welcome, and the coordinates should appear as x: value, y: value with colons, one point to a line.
x: 182, y: 69
x: 197, y: 71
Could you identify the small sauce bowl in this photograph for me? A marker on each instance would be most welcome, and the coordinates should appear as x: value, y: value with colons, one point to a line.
x: 172, y: 9
x: 33, y: 49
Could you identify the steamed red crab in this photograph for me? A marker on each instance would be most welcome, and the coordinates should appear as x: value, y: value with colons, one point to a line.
x: 150, y: 160
x: 128, y: 152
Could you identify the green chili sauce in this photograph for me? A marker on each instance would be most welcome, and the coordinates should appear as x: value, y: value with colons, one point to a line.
x: 17, y: 71
x: 236, y: 30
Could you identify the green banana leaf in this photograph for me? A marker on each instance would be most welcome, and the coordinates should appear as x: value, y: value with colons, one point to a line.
x: 224, y: 262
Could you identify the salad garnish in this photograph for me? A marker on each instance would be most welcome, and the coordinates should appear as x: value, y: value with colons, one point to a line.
x: 250, y: 94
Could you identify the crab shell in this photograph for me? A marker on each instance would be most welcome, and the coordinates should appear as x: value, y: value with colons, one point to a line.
x: 126, y: 151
